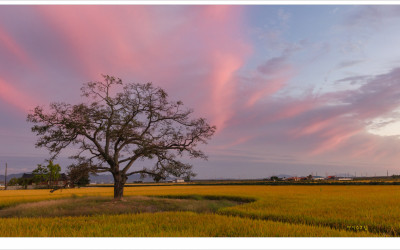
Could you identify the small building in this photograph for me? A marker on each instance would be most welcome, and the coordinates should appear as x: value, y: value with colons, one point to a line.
x: 331, y: 177
x: 61, y: 181
x: 318, y: 178
x: 27, y: 176
x: 345, y: 179
x: 179, y: 180
x: 293, y: 178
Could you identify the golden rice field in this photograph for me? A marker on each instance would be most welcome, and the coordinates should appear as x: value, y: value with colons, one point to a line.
x: 277, y: 211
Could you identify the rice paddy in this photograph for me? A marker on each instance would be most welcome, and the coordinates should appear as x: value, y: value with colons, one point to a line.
x: 212, y: 211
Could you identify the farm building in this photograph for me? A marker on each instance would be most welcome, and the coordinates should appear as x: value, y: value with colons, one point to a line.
x: 27, y: 176
x: 62, y: 180
x: 345, y: 179
x: 179, y: 180
x: 293, y: 178
x: 318, y: 178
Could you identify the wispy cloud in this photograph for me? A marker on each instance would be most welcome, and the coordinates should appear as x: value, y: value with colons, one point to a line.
x: 324, y: 125
x: 348, y: 63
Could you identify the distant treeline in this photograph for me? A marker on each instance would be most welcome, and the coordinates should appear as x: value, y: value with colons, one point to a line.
x: 266, y: 183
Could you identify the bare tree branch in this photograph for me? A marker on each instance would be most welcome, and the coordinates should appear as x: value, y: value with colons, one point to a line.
x: 137, y: 122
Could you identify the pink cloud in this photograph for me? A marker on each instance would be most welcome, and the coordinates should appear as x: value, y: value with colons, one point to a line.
x: 332, y: 126
x: 270, y: 87
x: 10, y: 45
x: 16, y: 97
x: 270, y: 77
x: 85, y: 29
x: 295, y: 108
x: 154, y: 44
x: 223, y: 90
x: 235, y: 142
x: 333, y: 138
x: 314, y: 126
x: 219, y: 29
x: 328, y: 127
x: 367, y: 146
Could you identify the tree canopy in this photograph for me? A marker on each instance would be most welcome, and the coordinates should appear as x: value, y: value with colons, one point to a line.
x: 48, y: 173
x: 121, y: 124
x: 78, y: 174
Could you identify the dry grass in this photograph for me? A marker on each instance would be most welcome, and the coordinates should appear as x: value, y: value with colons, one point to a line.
x: 105, y: 205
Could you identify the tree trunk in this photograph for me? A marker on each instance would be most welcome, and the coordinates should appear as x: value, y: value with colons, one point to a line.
x: 119, y: 182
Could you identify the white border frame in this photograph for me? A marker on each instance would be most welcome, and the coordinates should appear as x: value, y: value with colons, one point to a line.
x: 199, y: 243
x: 198, y: 2
x: 188, y: 242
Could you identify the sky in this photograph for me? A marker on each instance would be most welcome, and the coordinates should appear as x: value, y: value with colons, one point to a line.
x: 292, y: 89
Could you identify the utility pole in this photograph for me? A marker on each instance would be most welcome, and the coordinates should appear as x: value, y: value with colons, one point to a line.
x: 5, y: 179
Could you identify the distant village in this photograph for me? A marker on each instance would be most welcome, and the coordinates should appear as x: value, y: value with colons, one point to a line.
x: 310, y: 178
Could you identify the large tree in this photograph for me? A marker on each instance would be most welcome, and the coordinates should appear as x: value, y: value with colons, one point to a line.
x: 121, y: 124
